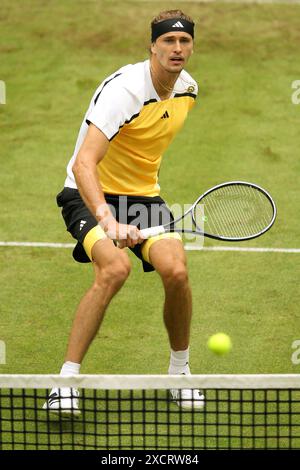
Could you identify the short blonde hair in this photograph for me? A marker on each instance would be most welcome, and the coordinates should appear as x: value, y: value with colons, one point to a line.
x: 169, y: 14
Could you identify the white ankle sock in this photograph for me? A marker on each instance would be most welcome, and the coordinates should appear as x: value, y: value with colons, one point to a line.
x: 179, y: 362
x: 70, y: 368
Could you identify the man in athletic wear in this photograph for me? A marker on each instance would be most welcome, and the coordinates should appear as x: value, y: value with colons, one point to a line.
x: 132, y: 118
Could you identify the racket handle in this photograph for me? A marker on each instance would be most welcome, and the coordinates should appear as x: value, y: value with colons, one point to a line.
x: 152, y: 231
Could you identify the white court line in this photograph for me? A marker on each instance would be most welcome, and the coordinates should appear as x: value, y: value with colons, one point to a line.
x: 38, y: 244
x: 187, y: 247
x: 242, y: 248
x: 274, y: 2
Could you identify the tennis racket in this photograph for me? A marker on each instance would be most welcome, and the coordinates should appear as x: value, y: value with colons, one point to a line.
x: 232, y: 211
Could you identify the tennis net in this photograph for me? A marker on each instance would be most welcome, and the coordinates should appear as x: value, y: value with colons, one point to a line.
x: 137, y: 412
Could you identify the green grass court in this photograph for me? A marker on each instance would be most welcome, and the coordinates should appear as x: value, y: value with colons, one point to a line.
x: 53, y: 56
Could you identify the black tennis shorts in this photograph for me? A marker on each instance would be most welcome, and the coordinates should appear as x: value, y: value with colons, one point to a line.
x: 136, y: 210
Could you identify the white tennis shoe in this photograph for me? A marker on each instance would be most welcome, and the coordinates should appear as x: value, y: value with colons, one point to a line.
x: 63, y: 401
x: 188, y: 398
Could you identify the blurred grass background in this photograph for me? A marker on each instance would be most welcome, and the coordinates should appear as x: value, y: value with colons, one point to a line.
x: 52, y: 57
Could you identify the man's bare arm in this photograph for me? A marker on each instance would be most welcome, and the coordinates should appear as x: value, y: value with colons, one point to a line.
x: 92, y: 151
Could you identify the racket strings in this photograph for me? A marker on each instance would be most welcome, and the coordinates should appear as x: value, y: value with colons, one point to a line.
x: 234, y: 211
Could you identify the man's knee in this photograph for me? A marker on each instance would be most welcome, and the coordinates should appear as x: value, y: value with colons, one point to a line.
x: 175, y: 274
x: 115, y: 272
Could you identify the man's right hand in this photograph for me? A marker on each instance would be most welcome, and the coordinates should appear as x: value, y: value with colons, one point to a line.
x: 125, y: 235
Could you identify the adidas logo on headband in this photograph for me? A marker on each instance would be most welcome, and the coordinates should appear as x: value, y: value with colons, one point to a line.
x: 178, y: 25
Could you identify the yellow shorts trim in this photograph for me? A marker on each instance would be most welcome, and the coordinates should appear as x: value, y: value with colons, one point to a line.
x: 91, y: 238
x: 148, y: 243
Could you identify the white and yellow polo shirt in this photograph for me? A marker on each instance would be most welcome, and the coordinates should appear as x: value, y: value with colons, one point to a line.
x: 139, y: 126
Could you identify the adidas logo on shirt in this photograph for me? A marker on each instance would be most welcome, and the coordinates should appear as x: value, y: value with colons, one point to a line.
x: 82, y: 224
x: 178, y: 25
x: 165, y: 115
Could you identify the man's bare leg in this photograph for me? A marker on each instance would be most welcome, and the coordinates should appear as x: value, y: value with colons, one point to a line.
x: 168, y: 258
x: 112, y: 268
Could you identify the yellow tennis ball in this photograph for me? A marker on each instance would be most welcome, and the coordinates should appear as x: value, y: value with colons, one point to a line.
x: 220, y: 343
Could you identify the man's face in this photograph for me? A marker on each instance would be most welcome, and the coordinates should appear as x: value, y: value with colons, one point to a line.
x: 172, y: 50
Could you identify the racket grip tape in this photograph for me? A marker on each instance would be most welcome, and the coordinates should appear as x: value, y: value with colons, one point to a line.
x: 152, y: 231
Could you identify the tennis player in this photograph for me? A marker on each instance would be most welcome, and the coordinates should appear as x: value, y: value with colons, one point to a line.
x: 113, y: 175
